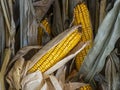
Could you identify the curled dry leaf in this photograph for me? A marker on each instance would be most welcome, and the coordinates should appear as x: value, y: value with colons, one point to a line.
x: 32, y: 81
x: 55, y: 83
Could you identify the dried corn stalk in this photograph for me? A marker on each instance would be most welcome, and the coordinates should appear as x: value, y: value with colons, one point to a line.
x: 7, y: 8
x: 102, y: 10
x: 6, y: 59
x: 65, y: 17
x: 71, y: 6
x: 81, y: 16
x: 93, y: 6
x: 28, y: 24
x: 57, y: 25
x: 2, y: 37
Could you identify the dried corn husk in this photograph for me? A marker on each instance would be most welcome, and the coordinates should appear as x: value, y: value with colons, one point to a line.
x: 21, y: 53
x: 15, y: 74
x: 36, y: 81
x: 32, y: 81
x: 108, y: 34
x: 20, y: 70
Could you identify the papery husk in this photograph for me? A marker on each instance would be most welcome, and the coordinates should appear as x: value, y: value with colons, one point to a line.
x: 21, y: 53
x: 16, y: 68
x: 32, y: 81
x: 60, y: 75
x: 14, y: 76
x: 108, y: 34
x: 37, y: 81
x: 50, y: 45
x: 55, y: 83
x: 45, y: 87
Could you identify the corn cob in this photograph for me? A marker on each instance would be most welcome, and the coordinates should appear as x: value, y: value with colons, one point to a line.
x: 58, y: 52
x: 81, y: 16
x: 40, y: 30
x: 87, y: 87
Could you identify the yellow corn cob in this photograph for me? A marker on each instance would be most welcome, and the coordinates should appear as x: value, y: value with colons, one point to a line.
x: 57, y: 53
x: 40, y: 30
x: 87, y: 87
x: 81, y: 16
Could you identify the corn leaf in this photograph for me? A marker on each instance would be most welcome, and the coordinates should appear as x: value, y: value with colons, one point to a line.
x: 107, y: 35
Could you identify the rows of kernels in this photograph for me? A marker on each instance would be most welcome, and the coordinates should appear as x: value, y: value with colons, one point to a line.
x: 88, y: 87
x: 35, y: 67
x: 44, y: 63
x: 60, y: 53
x: 83, y: 18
